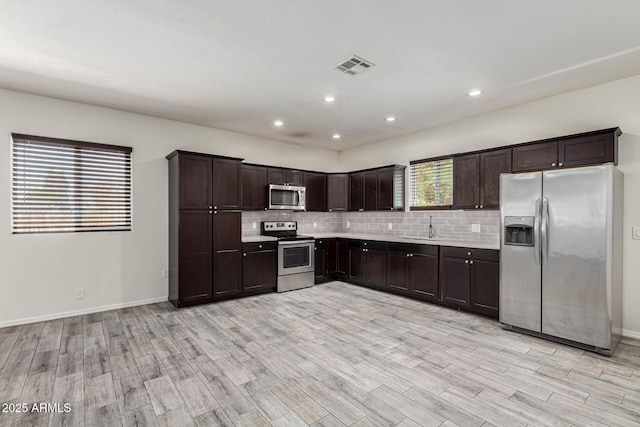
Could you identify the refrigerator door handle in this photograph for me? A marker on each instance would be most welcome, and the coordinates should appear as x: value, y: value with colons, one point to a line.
x: 544, y: 230
x: 536, y: 233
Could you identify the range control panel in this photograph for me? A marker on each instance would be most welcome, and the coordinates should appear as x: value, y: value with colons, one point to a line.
x: 279, y: 226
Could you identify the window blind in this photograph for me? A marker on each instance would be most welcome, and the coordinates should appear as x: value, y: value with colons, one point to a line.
x: 431, y: 183
x: 62, y: 186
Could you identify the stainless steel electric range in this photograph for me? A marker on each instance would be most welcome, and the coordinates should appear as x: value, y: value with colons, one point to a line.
x: 296, y: 262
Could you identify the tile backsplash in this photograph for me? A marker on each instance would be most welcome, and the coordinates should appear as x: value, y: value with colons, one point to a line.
x: 448, y: 225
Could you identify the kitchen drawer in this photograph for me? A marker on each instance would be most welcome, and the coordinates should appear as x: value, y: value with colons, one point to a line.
x: 321, y: 243
x: 471, y: 253
x: 259, y: 246
x: 368, y: 244
x: 413, y: 248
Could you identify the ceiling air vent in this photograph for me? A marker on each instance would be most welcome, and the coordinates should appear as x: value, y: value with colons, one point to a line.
x: 354, y: 65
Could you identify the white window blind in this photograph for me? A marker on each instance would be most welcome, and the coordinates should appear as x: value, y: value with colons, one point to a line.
x: 431, y: 183
x: 62, y: 186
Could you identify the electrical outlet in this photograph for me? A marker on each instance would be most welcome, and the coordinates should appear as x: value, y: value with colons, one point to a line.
x: 315, y: 224
x: 635, y: 233
x: 390, y: 226
x: 475, y: 228
x: 80, y: 293
x: 165, y: 273
x: 254, y: 225
x: 348, y: 224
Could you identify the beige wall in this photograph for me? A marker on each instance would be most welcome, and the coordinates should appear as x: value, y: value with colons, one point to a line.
x: 39, y: 273
x: 604, y: 106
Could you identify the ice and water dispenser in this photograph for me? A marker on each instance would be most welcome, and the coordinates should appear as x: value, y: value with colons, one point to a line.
x: 518, y: 230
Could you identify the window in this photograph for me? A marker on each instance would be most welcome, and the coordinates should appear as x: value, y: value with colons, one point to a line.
x: 61, y: 186
x: 431, y: 184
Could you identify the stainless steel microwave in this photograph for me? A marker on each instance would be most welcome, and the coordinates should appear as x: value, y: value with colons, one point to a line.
x: 286, y: 197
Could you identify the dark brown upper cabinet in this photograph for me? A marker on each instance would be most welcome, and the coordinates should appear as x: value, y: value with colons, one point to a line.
x: 492, y: 164
x: 254, y: 188
x: 466, y: 181
x: 377, y: 189
x: 583, y: 149
x: 391, y: 183
x: 316, y: 191
x: 476, y: 179
x: 282, y: 176
x: 356, y: 191
x: 226, y: 183
x: 337, y: 192
x: 194, y: 177
x: 370, y: 196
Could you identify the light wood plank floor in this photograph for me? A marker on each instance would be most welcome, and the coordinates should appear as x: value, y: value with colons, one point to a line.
x: 332, y: 355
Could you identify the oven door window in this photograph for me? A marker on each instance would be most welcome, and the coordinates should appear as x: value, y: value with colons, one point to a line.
x: 284, y: 197
x: 295, y: 256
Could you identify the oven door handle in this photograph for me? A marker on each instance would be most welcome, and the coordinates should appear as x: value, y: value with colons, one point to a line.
x: 296, y: 242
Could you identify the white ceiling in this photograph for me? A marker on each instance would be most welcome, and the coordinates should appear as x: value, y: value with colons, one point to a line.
x: 241, y: 64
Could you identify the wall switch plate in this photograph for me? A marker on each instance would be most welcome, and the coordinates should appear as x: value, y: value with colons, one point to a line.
x: 636, y: 233
x: 80, y: 293
x: 348, y: 224
x: 315, y: 224
x: 254, y: 225
x: 165, y: 273
x: 390, y: 226
x: 475, y: 228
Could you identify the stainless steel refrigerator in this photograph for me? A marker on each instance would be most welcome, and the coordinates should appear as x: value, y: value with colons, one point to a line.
x: 561, y: 255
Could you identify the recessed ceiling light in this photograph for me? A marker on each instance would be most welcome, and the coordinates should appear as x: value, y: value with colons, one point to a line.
x: 278, y: 123
x: 390, y: 119
x: 329, y: 98
x: 474, y: 92
x: 336, y: 136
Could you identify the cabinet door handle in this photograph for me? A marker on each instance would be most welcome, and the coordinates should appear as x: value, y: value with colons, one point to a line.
x: 560, y: 164
x: 330, y: 210
x: 210, y: 207
x: 471, y: 262
x: 553, y: 164
x: 466, y: 261
x: 266, y: 209
x: 407, y: 255
x: 244, y: 254
x: 411, y: 254
x: 315, y: 249
x: 469, y: 253
x: 476, y: 206
x: 481, y: 206
x: 260, y: 246
x: 210, y: 212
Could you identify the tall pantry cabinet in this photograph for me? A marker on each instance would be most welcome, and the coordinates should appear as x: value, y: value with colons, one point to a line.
x: 205, y: 228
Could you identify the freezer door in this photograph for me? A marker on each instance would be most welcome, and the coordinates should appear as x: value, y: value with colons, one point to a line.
x: 520, y: 297
x: 576, y: 260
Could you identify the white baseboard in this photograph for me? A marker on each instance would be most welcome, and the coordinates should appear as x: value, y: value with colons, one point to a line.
x: 80, y: 312
x: 631, y: 334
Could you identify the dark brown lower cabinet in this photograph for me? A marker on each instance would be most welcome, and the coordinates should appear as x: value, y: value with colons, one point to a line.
x: 413, y: 269
x: 259, y: 267
x: 191, y: 284
x: 368, y: 263
x: 485, y: 292
x: 227, y: 259
x: 470, y: 278
x: 321, y: 272
x: 337, y: 256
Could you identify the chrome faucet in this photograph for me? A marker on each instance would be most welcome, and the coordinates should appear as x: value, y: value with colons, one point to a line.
x: 432, y: 232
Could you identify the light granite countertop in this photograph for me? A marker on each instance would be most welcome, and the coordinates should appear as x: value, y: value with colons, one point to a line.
x: 399, y: 239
